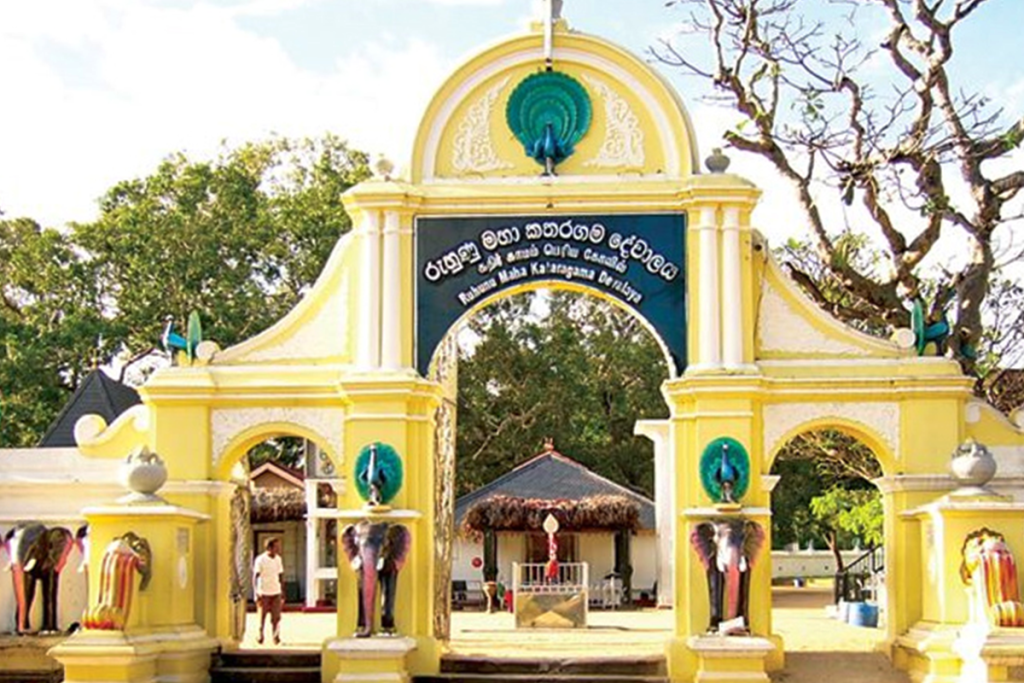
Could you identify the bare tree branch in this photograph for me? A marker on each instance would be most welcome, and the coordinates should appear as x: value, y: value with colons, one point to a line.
x: 907, y: 152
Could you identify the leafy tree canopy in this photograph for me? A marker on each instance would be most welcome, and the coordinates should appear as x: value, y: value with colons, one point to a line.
x: 581, y: 372
x: 831, y: 470
x: 856, y: 512
x: 289, y: 451
x: 238, y: 238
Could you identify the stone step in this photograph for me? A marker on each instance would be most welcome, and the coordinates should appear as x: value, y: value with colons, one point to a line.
x: 538, y: 678
x: 652, y: 666
x: 268, y: 658
x: 54, y: 676
x: 269, y: 674
x: 266, y: 666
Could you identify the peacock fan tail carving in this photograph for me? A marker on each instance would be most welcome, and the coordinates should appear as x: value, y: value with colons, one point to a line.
x: 549, y: 112
x: 124, y: 557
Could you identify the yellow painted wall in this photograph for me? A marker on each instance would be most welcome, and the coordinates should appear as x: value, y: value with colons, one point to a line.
x: 302, y: 376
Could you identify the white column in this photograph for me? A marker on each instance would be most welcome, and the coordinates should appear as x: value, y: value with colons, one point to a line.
x: 659, y: 432
x: 312, y: 545
x: 391, y: 339
x: 368, y: 347
x: 732, y: 291
x: 709, y: 343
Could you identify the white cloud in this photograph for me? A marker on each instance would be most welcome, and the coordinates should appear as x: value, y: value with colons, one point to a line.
x: 268, y: 8
x: 479, y: 3
x: 182, y: 78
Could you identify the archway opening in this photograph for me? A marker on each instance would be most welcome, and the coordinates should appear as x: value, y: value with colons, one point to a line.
x: 828, y: 540
x: 286, y: 489
x: 548, y: 386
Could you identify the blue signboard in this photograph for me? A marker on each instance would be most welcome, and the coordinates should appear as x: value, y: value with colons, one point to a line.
x: 636, y: 258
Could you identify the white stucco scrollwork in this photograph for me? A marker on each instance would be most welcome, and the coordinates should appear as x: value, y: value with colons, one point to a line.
x: 472, y: 149
x: 1009, y: 460
x: 321, y: 337
x: 780, y: 328
x: 226, y: 424
x: 880, y: 417
x: 623, y: 143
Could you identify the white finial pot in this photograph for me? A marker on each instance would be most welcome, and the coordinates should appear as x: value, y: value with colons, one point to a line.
x: 973, y: 464
x: 143, y: 473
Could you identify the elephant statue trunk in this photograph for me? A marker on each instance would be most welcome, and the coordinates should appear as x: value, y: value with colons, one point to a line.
x: 37, y: 553
x: 123, y: 558
x: 989, y: 569
x: 377, y: 552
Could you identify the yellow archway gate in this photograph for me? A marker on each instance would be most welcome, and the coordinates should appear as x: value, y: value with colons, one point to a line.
x: 756, y: 361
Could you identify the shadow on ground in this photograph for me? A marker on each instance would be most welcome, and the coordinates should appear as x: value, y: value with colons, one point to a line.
x: 821, y: 648
x: 838, y: 667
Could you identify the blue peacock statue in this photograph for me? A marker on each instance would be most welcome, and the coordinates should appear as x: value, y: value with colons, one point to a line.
x: 174, y: 342
x: 378, y: 474
x: 726, y: 476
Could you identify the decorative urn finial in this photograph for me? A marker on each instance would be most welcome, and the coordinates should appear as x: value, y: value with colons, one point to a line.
x: 143, y: 473
x: 717, y: 162
x: 973, y: 466
x: 384, y: 168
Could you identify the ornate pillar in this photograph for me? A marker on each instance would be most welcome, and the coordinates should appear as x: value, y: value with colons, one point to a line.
x: 391, y: 294
x: 399, y: 412
x: 141, y: 622
x: 709, y: 349
x: 732, y: 291
x: 368, y: 349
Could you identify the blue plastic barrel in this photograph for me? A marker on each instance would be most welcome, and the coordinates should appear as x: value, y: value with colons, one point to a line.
x: 863, y: 614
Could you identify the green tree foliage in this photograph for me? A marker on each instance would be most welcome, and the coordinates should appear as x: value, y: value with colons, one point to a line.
x: 50, y: 320
x: 289, y: 451
x: 581, y: 374
x: 845, y: 514
x: 238, y: 238
x: 816, y: 464
x: 792, y: 521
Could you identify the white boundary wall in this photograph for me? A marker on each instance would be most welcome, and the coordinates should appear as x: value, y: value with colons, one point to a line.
x: 51, y: 486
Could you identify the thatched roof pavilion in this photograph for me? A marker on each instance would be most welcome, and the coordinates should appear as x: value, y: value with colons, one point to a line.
x: 513, y: 513
x: 580, y: 499
x: 278, y: 505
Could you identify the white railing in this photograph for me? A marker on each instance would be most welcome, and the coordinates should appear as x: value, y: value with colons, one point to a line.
x: 531, y: 577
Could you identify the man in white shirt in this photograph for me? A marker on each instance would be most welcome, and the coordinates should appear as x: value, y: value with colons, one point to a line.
x: 267, y: 573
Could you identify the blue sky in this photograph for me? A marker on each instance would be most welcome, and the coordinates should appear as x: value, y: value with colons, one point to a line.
x: 97, y: 91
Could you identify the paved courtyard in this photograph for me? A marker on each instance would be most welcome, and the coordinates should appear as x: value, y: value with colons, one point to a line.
x: 815, y: 643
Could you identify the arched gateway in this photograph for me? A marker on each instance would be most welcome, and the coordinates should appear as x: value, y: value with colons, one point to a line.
x: 627, y: 215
